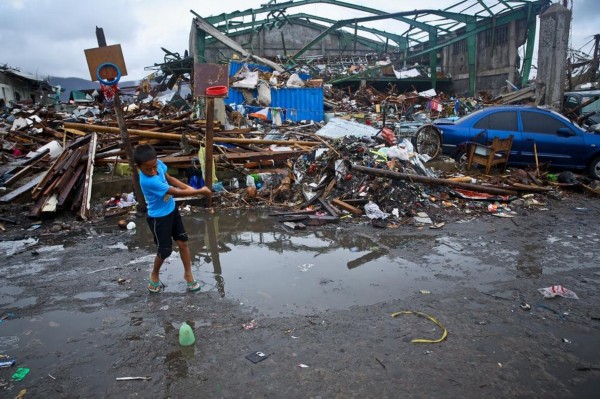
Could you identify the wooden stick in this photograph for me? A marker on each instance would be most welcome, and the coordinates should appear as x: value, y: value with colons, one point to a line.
x: 433, y: 180
x: 537, y: 164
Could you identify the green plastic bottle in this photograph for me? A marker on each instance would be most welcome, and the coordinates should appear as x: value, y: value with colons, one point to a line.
x: 186, y: 335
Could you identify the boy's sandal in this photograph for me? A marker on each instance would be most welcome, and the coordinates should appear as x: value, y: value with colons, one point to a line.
x: 194, y: 286
x: 155, y: 288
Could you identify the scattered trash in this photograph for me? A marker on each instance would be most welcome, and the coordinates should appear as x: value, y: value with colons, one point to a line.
x: 147, y: 378
x: 21, y: 394
x: 7, y: 364
x: 566, y: 341
x: 251, y: 325
x: 256, y: 357
x: 425, y: 292
x: 525, y: 306
x: 373, y: 212
x: 131, y: 226
x: 302, y: 366
x: 426, y: 341
x: 557, y: 290
x: 20, y: 374
x: 186, y: 335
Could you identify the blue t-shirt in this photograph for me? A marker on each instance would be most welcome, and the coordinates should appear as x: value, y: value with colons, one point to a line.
x: 155, y: 188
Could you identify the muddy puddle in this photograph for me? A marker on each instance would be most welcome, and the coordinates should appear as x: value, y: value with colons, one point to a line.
x: 251, y: 258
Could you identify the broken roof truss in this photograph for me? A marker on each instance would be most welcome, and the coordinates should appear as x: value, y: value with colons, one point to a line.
x: 416, y: 33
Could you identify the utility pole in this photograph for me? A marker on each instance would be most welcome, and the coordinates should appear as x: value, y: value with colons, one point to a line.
x: 595, y: 61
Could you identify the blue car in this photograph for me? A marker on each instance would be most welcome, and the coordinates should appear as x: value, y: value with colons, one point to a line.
x: 559, y: 143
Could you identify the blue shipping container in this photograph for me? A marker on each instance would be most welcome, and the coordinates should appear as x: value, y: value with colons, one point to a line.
x: 299, y: 103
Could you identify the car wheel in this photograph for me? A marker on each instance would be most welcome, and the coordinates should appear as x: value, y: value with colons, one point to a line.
x: 594, y: 168
x: 428, y: 140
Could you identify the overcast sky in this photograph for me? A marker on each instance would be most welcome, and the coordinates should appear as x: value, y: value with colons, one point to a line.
x: 47, y: 37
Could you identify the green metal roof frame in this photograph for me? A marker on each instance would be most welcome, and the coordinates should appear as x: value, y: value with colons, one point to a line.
x: 434, y: 29
x: 307, y: 20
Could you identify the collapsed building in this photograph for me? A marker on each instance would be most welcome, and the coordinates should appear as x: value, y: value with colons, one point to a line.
x: 21, y: 87
x: 469, y: 47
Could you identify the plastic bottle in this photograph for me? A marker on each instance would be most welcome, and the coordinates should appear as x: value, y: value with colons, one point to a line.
x: 186, y: 335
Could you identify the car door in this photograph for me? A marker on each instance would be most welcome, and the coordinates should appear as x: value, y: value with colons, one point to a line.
x: 501, y: 124
x: 556, y: 142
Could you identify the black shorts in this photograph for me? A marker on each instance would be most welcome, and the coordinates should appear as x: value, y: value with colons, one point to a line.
x: 165, y: 229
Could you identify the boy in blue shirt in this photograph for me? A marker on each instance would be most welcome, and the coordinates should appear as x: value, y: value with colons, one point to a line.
x: 164, y: 219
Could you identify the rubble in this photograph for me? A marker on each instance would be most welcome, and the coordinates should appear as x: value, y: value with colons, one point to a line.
x: 373, y: 148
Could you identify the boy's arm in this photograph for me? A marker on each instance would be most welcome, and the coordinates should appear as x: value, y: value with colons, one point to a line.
x: 188, y: 191
x: 175, y: 182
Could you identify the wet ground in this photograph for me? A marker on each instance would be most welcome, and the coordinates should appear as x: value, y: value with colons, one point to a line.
x: 321, y: 298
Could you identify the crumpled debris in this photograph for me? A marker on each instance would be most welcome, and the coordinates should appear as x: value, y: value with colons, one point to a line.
x: 373, y: 212
x: 557, y: 290
x: 251, y: 325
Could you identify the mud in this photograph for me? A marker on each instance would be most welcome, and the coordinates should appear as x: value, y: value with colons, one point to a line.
x: 321, y: 298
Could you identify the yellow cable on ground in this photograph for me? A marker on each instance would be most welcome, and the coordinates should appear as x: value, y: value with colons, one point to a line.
x: 425, y: 341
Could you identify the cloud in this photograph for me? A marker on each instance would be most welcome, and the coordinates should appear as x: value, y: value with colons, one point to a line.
x: 49, y: 36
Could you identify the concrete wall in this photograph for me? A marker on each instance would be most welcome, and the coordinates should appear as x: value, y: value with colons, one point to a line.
x: 496, y: 59
x: 268, y: 43
x: 552, y: 55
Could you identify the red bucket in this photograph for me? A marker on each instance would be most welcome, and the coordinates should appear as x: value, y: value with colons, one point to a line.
x: 216, y: 91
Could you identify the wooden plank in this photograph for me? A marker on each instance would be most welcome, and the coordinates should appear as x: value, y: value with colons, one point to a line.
x: 66, y: 190
x: 220, y: 36
x: 346, y: 206
x: 21, y: 190
x: 332, y: 211
x: 314, y: 220
x: 87, y: 185
x: 23, y: 172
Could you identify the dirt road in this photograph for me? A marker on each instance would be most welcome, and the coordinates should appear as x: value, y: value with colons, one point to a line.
x: 81, y: 315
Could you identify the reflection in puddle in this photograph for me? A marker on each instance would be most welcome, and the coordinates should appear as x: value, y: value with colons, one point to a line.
x: 255, y: 260
x: 252, y: 258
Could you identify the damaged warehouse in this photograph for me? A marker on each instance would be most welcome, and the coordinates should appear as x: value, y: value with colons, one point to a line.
x: 361, y: 203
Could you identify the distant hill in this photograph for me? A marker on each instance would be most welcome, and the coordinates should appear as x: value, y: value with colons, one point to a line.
x: 70, y: 84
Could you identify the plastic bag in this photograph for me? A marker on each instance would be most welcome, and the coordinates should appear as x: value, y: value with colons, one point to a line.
x: 264, y: 93
x: 373, y: 212
x: 294, y: 81
x: 557, y: 290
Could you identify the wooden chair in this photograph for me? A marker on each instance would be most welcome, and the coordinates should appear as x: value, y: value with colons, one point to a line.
x: 488, y: 155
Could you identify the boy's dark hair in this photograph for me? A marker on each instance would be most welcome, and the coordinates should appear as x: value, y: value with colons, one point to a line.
x: 143, y: 153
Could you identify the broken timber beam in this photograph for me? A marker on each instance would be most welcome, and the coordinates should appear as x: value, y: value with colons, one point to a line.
x: 346, y: 206
x: 220, y: 36
x: 89, y: 174
x: 177, y: 136
x: 432, y: 180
